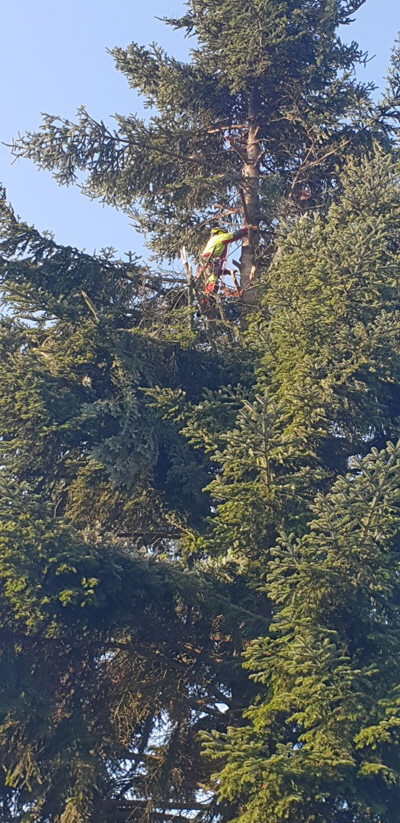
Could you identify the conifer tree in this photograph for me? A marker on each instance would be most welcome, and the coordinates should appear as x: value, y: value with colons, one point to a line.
x: 115, y: 650
x: 267, y: 103
x: 322, y: 742
x: 174, y: 486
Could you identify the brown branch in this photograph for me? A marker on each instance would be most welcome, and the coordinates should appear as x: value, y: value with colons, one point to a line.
x: 126, y: 815
x: 90, y: 305
x: 234, y: 126
x: 237, y: 149
x: 185, y: 158
x: 146, y: 804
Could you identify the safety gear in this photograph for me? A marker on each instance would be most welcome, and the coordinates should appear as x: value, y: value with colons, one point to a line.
x: 210, y: 287
x: 211, y: 277
x: 214, y: 256
x: 216, y: 246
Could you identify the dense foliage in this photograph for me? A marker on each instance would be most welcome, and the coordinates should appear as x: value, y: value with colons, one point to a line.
x: 199, y: 508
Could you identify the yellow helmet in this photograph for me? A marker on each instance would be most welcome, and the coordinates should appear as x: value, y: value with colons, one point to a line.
x: 218, y: 230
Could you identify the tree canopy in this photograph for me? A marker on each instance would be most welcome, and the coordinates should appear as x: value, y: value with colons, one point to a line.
x: 199, y: 521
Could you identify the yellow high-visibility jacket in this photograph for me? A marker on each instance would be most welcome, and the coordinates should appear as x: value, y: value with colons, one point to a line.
x: 216, y: 247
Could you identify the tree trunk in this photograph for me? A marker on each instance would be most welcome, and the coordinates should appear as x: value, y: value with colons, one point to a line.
x: 251, y: 198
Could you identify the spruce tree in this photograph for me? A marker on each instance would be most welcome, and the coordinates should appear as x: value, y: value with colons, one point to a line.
x: 115, y: 650
x: 322, y: 741
x: 267, y: 104
x: 176, y: 485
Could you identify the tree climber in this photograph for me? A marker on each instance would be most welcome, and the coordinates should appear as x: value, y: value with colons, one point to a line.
x: 214, y: 256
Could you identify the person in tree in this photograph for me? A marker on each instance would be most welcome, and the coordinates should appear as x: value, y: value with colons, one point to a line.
x: 214, y: 255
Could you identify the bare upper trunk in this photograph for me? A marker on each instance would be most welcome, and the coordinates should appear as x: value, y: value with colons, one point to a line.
x: 250, y: 195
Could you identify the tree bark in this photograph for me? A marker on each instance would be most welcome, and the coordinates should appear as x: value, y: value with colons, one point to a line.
x: 250, y: 199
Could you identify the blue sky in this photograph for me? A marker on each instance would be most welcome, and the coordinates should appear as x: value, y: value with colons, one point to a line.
x: 53, y: 59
